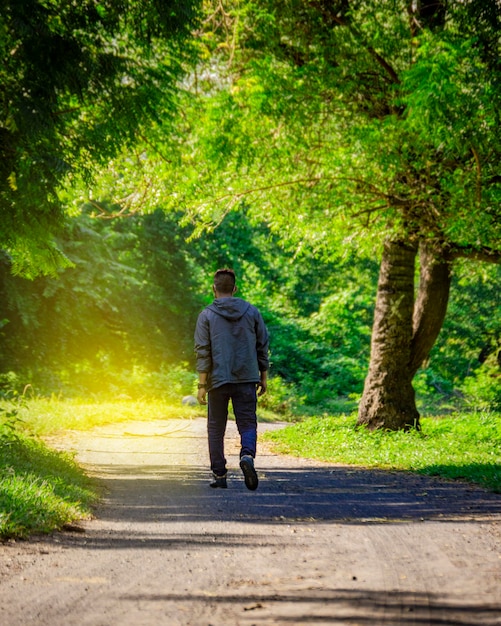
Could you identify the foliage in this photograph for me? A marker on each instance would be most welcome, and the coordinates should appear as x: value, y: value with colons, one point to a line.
x: 121, y: 321
x: 483, y: 388
x: 459, y: 446
x: 326, y: 128
x: 347, y: 122
x: 10, y: 404
x: 465, y: 358
x: 352, y: 123
x: 119, y: 307
x: 80, y: 81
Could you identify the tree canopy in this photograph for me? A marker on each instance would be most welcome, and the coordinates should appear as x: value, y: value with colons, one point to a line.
x: 79, y: 81
x: 373, y: 115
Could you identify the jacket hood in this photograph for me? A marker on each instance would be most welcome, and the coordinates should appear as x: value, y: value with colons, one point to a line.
x: 229, y: 308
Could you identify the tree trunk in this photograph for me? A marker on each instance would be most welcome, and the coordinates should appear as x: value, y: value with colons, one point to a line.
x: 431, y: 304
x: 388, y: 399
x: 403, y: 333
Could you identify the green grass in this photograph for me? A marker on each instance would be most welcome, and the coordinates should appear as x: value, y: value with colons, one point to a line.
x: 462, y: 446
x: 49, y: 417
x: 40, y: 489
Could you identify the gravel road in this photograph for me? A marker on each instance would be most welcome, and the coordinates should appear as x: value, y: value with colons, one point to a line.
x: 316, y: 544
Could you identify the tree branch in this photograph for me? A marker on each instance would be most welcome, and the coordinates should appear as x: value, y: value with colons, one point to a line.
x: 288, y: 183
x: 154, y: 148
x: 484, y: 253
x: 431, y: 303
x: 369, y: 187
x: 375, y: 55
x: 370, y: 210
x: 384, y: 64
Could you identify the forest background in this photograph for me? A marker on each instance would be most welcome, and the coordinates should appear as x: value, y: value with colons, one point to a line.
x: 179, y: 154
x: 119, y: 324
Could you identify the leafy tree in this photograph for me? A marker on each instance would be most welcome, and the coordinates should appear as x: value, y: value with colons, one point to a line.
x: 359, y: 121
x: 127, y: 302
x: 79, y: 81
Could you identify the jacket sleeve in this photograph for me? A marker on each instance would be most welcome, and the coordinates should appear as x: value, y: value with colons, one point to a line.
x: 202, y: 344
x: 262, y: 344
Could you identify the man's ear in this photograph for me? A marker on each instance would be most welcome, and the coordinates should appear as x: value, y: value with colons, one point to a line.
x: 214, y: 289
x: 235, y: 289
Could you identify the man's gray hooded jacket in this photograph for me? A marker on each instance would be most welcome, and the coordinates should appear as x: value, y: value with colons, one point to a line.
x: 231, y: 342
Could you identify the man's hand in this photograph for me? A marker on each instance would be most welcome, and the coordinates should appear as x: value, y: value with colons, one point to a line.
x: 262, y: 384
x: 202, y: 395
x: 202, y: 388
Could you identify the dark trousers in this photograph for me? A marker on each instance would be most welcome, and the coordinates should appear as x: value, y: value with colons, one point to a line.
x: 244, y: 401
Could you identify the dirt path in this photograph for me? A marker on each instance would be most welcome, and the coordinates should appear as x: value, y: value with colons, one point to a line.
x: 315, y: 544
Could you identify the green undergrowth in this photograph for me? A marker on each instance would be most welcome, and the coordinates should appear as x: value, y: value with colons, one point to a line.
x: 461, y: 446
x: 41, y: 489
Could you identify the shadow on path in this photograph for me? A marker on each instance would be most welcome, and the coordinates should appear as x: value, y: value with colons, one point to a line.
x: 349, y: 606
x: 327, y: 494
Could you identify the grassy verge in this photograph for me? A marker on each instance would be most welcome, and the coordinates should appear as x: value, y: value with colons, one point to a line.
x: 40, y: 489
x: 465, y: 446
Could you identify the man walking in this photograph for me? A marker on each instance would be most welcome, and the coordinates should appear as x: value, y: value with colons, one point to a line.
x: 231, y: 345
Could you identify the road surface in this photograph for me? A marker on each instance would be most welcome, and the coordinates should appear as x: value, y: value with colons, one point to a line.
x: 316, y: 544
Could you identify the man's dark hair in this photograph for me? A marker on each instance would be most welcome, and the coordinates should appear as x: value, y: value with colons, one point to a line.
x: 224, y: 280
